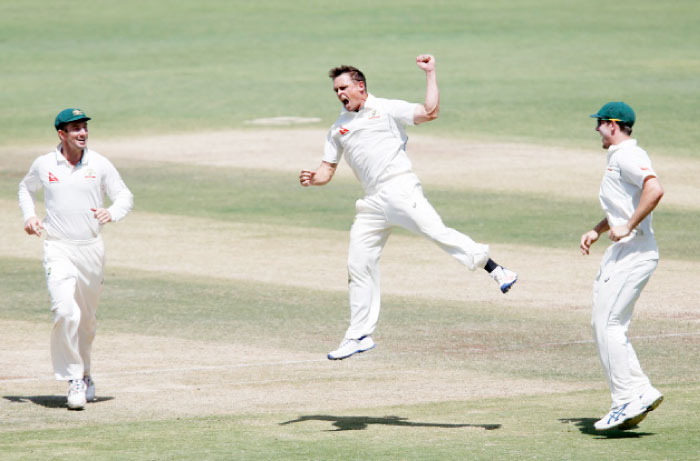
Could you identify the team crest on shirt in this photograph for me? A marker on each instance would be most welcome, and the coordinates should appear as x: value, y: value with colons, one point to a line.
x: 374, y: 115
x: 90, y: 173
x: 343, y: 130
x: 52, y: 178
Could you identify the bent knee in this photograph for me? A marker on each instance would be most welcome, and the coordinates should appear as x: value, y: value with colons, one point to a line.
x: 64, y: 311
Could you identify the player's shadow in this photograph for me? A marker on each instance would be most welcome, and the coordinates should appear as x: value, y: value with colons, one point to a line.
x: 48, y: 401
x: 585, y: 425
x: 360, y: 423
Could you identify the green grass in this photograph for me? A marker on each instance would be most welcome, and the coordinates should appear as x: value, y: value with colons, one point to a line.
x: 553, y: 427
x: 531, y: 70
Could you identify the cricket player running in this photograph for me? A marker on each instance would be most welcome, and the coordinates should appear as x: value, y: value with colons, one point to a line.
x: 629, y: 192
x: 370, y: 132
x: 74, y: 179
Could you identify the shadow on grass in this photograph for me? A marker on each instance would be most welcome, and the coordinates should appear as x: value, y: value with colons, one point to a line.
x: 48, y: 401
x: 360, y: 423
x: 585, y: 425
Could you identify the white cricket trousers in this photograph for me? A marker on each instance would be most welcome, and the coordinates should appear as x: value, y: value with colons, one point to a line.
x: 615, y: 291
x: 398, y: 202
x: 74, y: 276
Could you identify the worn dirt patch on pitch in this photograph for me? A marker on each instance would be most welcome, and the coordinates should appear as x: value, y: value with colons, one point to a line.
x: 152, y: 378
x: 446, y: 162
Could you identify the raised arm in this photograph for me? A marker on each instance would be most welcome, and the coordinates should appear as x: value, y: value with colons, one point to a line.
x: 323, y: 174
x: 430, y: 109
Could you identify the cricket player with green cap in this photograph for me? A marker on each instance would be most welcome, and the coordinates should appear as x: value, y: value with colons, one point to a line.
x: 630, y: 190
x: 74, y: 179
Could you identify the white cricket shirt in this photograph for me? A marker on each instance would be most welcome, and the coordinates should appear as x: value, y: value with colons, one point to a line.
x: 70, y: 192
x: 621, y: 188
x: 373, y: 140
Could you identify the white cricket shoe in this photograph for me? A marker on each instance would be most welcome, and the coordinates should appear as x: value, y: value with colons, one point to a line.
x: 76, y: 394
x: 349, y: 347
x: 651, y: 399
x: 89, y: 389
x: 504, y: 277
x: 625, y: 415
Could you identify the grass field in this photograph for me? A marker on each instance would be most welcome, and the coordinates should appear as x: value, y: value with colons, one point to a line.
x: 226, y: 286
x: 529, y: 70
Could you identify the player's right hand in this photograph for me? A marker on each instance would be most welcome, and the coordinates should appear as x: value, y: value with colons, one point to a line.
x: 588, y: 239
x: 33, y: 226
x: 305, y: 177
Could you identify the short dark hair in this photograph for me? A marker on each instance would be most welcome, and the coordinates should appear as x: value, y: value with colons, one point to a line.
x: 355, y: 73
x: 625, y: 128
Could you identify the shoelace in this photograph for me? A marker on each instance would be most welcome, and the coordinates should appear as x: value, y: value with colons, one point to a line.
x: 77, y: 385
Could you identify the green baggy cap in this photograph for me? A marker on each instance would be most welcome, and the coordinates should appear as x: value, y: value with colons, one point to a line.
x: 69, y: 115
x: 616, y: 111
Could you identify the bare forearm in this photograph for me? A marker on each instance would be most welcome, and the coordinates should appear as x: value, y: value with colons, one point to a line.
x: 432, y: 96
x: 651, y: 196
x: 322, y: 177
x: 602, y: 226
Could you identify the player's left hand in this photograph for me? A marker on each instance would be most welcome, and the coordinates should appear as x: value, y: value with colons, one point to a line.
x: 426, y: 62
x: 617, y: 233
x: 102, y: 215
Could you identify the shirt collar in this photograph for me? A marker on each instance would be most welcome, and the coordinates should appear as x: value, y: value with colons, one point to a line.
x: 370, y: 103
x: 622, y: 145
x: 60, y: 158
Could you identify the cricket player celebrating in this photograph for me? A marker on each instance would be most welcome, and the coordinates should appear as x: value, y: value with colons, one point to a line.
x: 629, y: 192
x: 370, y: 132
x: 74, y: 179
